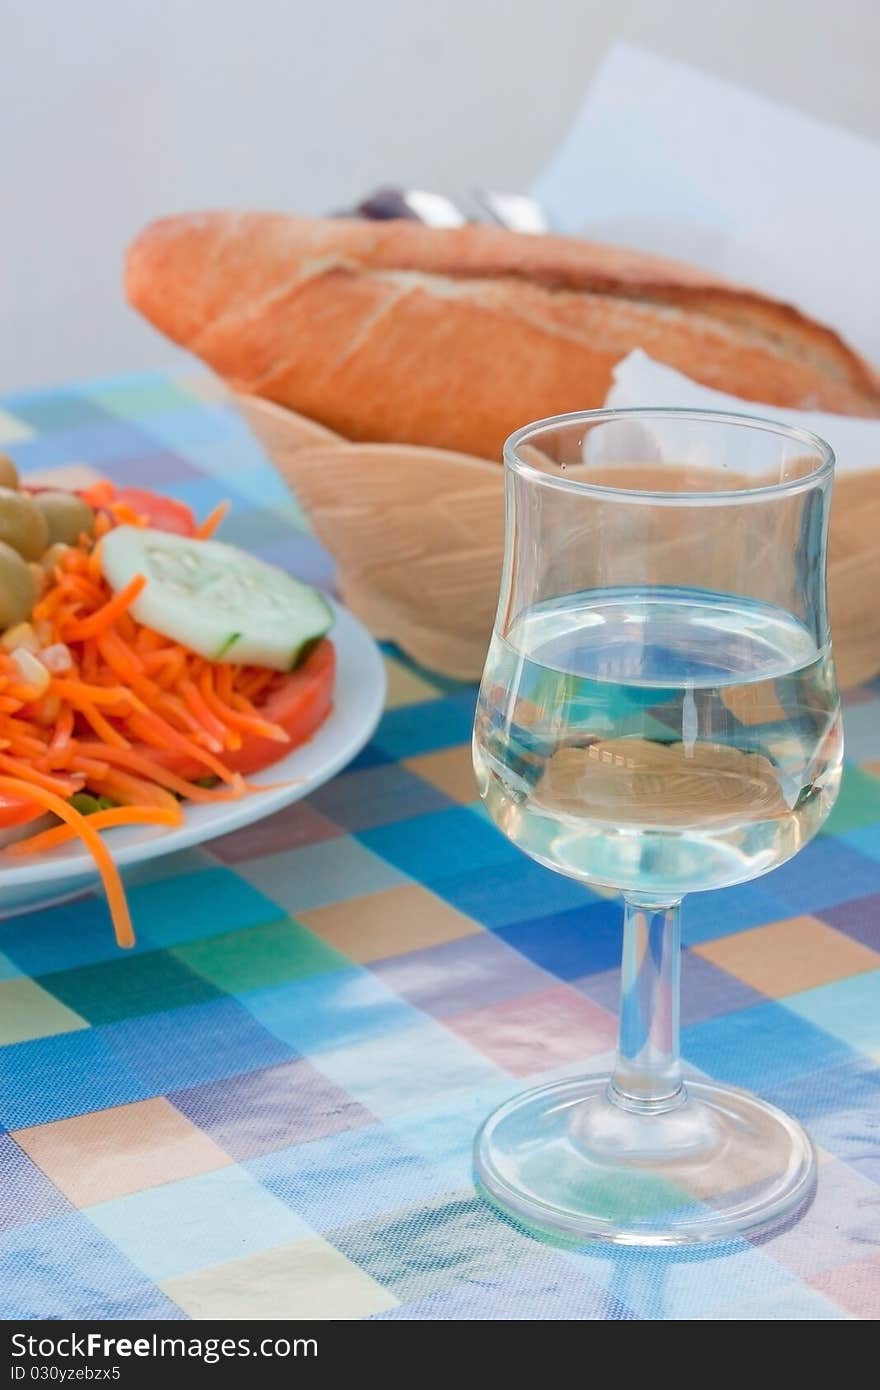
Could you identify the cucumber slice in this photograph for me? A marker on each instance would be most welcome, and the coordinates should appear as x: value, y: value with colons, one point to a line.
x: 216, y: 599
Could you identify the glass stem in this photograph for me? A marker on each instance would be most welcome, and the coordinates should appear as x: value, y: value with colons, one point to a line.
x: 647, y: 1073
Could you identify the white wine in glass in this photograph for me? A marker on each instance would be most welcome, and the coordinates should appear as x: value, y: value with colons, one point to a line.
x: 658, y: 715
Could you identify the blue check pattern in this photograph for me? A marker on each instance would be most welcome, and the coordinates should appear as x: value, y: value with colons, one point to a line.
x: 267, y: 1108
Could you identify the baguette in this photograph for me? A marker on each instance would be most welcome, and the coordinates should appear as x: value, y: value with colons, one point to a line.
x: 391, y: 331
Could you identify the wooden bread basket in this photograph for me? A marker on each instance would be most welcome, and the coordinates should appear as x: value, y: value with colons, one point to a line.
x: 417, y: 534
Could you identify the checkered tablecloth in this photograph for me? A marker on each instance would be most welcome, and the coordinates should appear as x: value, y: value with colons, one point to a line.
x: 267, y: 1109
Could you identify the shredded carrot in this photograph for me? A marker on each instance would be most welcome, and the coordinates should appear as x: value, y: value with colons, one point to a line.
x: 127, y: 516
x: 251, y: 684
x: 63, y: 729
x: 107, y: 615
x: 26, y: 745
x: 126, y: 665
x: 212, y: 521
x: 235, y: 719
x: 131, y: 791
x: 57, y: 785
x: 155, y: 772
x: 146, y: 640
x: 173, y: 707
x: 78, y: 694
x: 116, y: 900
x: 74, y: 561
x: 100, y: 494
x: 160, y: 734
x: 167, y: 664
x: 100, y: 820
x: 90, y: 767
x: 206, y: 717
x: 127, y: 628
x: 102, y: 727
x: 223, y: 682
x: 94, y: 567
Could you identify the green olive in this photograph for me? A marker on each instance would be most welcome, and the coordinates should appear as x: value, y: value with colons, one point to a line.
x: 22, y: 524
x: 67, y: 516
x: 8, y: 472
x: 18, y: 591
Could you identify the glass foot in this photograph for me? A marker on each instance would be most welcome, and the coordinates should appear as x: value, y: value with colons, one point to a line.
x: 567, y: 1162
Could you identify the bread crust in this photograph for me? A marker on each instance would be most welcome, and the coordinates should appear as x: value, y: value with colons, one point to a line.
x: 391, y: 331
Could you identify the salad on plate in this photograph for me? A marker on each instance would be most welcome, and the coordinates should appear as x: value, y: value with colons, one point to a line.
x: 143, y: 664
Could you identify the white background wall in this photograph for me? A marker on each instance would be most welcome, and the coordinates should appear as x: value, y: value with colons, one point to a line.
x: 116, y: 111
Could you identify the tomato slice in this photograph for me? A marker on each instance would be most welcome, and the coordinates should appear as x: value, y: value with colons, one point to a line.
x: 14, y: 812
x: 165, y: 513
x: 299, y: 703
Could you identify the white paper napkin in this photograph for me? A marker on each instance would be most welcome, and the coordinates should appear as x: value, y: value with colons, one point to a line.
x: 669, y: 159
x: 640, y: 381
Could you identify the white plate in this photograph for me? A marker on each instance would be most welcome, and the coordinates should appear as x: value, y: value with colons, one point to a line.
x: 358, y: 699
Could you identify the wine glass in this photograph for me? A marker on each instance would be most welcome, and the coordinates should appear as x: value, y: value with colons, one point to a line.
x: 658, y: 715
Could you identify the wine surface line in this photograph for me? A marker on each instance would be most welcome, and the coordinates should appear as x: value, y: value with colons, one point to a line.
x: 660, y: 740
